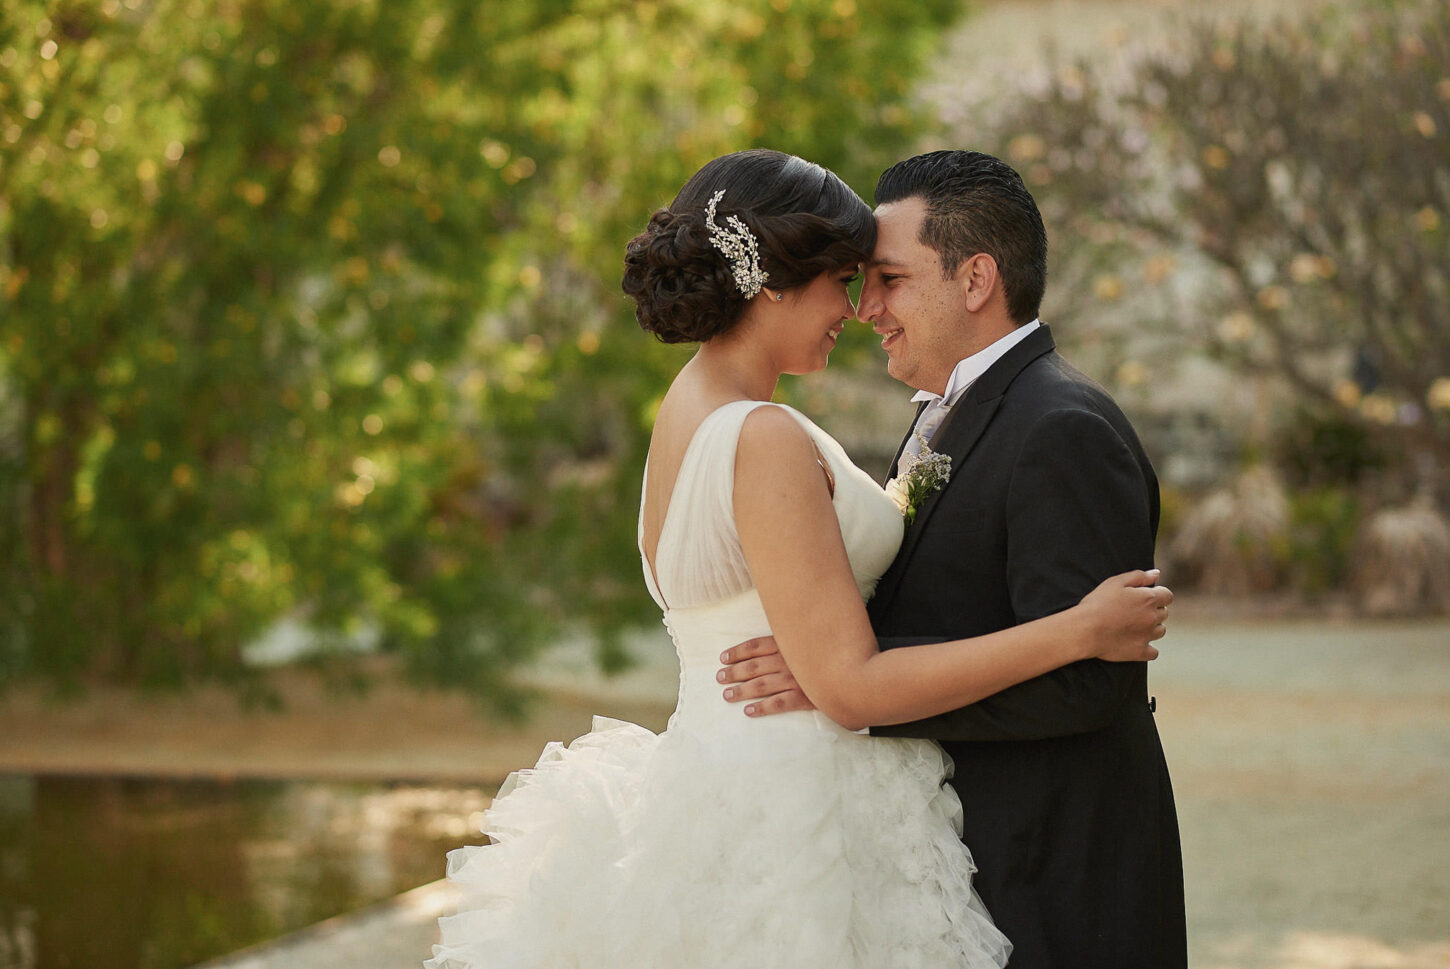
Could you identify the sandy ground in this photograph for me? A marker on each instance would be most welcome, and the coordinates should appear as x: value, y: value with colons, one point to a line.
x: 389, y: 732
x: 1311, y: 760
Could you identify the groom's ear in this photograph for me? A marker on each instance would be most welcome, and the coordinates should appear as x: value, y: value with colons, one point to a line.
x: 978, y: 278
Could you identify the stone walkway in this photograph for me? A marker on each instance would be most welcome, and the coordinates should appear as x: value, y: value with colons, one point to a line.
x: 1312, y: 767
x: 1311, y: 762
x: 396, y: 934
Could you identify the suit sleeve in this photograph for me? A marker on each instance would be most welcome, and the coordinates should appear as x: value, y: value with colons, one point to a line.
x: 1078, y: 512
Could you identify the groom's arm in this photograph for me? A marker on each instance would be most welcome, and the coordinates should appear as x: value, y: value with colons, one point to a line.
x: 1078, y: 512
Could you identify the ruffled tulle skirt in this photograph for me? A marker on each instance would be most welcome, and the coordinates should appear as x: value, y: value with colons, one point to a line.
x: 640, y: 851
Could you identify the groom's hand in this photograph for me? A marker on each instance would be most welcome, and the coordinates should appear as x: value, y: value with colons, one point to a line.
x: 756, y: 671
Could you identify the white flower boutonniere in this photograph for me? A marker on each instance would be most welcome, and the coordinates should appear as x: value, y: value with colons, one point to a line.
x: 923, y: 477
x: 896, y: 491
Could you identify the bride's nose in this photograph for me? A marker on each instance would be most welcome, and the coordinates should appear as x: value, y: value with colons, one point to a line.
x: 870, y: 305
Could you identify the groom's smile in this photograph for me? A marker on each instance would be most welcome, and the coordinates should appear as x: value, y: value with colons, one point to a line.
x: 919, y: 312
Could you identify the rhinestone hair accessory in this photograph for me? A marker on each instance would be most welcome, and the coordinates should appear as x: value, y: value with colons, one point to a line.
x: 737, y: 244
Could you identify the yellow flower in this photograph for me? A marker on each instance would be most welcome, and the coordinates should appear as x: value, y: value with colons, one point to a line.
x: 1108, y: 288
x: 1236, y: 327
x: 1439, y: 395
x: 1348, y: 393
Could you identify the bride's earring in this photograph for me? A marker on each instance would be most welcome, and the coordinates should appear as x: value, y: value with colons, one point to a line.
x: 779, y: 297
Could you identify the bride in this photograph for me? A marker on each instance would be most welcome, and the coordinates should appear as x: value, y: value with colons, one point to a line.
x: 624, y: 849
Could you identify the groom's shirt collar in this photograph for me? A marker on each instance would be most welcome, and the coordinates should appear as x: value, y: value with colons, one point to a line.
x: 967, y: 371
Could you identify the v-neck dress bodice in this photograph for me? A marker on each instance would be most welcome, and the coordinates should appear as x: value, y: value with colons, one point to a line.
x: 700, y: 579
x: 698, y: 559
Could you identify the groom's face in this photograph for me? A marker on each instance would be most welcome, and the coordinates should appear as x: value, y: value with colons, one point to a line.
x: 918, y: 314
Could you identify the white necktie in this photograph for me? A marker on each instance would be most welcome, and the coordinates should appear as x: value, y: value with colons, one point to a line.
x: 927, y: 422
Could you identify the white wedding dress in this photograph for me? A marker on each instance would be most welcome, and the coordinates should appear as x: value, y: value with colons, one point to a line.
x: 784, y: 842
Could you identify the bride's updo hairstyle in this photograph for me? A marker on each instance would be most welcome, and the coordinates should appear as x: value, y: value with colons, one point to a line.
x: 805, y: 220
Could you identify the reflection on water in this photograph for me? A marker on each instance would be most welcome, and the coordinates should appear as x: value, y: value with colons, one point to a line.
x: 124, y: 873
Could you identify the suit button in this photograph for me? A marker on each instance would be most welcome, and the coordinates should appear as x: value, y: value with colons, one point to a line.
x: 1152, y: 704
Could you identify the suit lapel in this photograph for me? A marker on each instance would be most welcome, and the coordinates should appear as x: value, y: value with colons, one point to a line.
x: 959, y: 435
x: 896, y: 458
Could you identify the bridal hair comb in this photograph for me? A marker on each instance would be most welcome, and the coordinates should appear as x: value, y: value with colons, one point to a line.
x: 737, y: 244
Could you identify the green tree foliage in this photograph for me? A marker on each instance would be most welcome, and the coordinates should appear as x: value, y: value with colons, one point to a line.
x: 312, y: 309
x: 1275, y: 195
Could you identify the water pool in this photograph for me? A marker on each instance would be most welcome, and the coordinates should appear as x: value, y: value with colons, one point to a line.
x: 147, y: 873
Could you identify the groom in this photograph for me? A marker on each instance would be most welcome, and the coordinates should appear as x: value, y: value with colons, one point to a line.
x: 1068, y: 807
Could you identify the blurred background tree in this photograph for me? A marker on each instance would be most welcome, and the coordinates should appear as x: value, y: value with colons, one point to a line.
x: 1273, y: 198
x: 311, y: 310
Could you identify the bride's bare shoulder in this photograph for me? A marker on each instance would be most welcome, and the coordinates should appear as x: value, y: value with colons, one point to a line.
x: 773, y: 441
x: 679, y: 418
x: 773, y: 423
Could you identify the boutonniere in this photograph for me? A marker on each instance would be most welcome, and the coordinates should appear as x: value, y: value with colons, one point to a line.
x: 926, y: 475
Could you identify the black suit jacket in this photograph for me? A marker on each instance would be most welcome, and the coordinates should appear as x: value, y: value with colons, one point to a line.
x: 1069, y: 811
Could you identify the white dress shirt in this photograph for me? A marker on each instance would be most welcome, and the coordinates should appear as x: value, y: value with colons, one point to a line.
x: 963, y: 375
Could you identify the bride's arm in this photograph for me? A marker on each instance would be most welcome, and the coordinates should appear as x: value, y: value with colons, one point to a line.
x: 793, y: 546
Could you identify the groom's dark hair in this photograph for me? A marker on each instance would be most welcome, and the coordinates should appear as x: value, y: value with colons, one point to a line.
x: 976, y: 203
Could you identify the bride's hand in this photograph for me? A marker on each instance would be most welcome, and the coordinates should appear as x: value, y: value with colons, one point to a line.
x: 1124, y: 615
